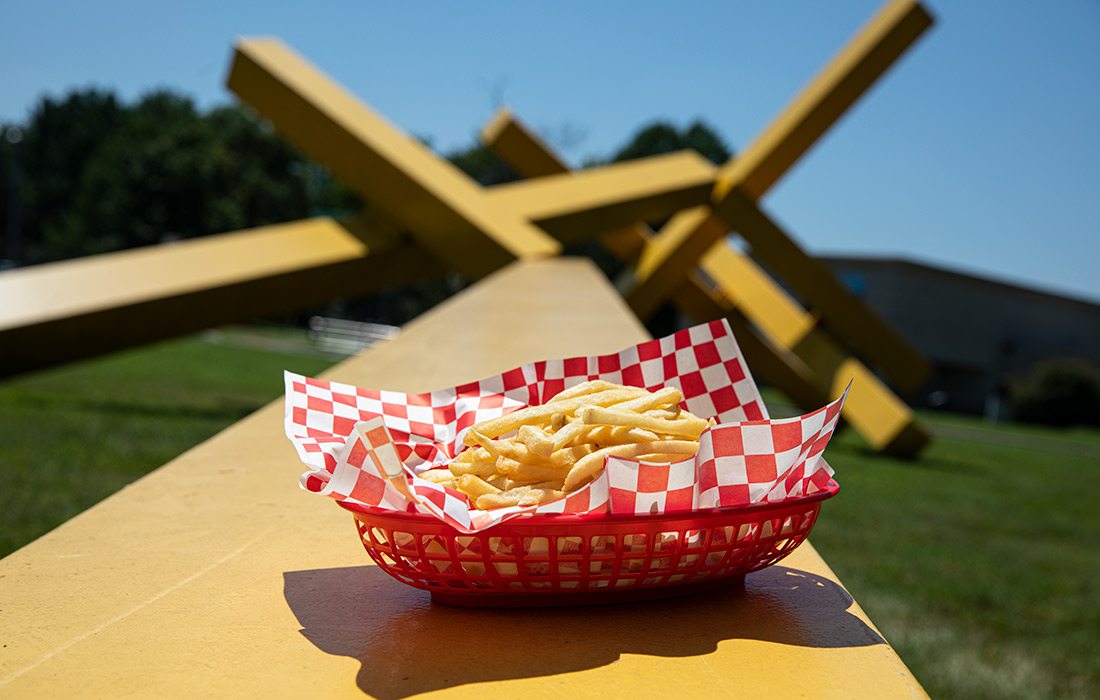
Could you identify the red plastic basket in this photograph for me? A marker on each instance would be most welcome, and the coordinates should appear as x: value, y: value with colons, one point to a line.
x: 551, y: 560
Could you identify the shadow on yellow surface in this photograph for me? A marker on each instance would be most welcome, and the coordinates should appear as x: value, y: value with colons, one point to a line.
x: 407, y: 645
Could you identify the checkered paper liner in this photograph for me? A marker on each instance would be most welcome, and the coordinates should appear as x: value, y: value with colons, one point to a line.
x: 366, y: 446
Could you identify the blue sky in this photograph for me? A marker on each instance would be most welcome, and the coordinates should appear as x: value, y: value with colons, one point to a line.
x: 979, y: 151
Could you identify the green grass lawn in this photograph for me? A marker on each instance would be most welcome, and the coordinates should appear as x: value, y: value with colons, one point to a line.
x: 75, y: 435
x: 980, y: 562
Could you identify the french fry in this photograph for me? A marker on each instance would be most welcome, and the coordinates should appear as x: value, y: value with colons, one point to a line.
x: 530, y: 473
x: 537, y: 441
x: 563, y: 444
x: 443, y: 477
x: 519, y: 496
x: 670, y: 413
x: 437, y: 475
x: 616, y: 435
x: 589, y: 387
x: 567, y: 433
x: 685, y: 427
x: 548, y: 485
x: 474, y: 487
x: 474, y: 454
x: 535, y: 414
x: 662, y: 457
x: 588, y: 466
x: 662, y: 397
x: 484, y: 468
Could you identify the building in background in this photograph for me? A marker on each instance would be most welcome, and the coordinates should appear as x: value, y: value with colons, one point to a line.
x: 978, y: 333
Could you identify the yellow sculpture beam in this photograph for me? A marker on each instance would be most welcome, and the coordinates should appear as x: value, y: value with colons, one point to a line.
x: 80, y: 308
x: 790, y: 351
x: 744, y: 179
x: 526, y: 153
x: 473, y: 229
x: 575, y: 207
x: 446, y: 210
x: 883, y: 419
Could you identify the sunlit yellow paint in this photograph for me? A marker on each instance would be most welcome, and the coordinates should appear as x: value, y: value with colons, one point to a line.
x: 215, y: 576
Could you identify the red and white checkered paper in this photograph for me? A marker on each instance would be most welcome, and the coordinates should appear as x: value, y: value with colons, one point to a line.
x: 355, y: 440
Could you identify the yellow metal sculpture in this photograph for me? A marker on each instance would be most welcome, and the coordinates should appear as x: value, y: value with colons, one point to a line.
x: 426, y: 216
x: 794, y: 354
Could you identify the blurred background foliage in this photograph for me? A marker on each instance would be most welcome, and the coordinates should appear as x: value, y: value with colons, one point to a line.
x: 94, y: 175
x: 91, y: 174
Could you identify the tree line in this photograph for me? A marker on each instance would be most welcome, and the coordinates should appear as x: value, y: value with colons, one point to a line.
x: 88, y: 173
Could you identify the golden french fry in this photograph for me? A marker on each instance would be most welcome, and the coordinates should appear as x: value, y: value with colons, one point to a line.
x: 530, y: 473
x: 616, y: 435
x: 437, y: 475
x: 536, y: 414
x: 588, y: 466
x: 474, y: 487
x: 567, y: 433
x: 662, y: 397
x: 537, y: 441
x: 473, y: 454
x: 670, y: 413
x: 589, y: 387
x: 686, y: 427
x: 557, y: 421
x: 519, y: 496
x: 484, y: 468
x: 552, y: 485
x: 563, y: 444
x: 567, y: 456
x: 662, y: 457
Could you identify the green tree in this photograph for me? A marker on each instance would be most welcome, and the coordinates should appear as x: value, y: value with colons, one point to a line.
x: 60, y: 139
x: 103, y: 176
x: 663, y: 137
x: 482, y: 165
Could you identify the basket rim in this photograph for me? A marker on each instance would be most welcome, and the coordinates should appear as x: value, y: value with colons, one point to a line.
x: 534, y: 520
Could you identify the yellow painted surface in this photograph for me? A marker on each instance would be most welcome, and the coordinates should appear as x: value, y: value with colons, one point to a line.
x: 474, y: 229
x: 522, y: 147
x: 576, y: 206
x: 215, y: 576
x: 845, y: 315
x: 883, y: 419
x: 744, y: 179
x: 764, y: 301
x: 45, y: 292
x: 846, y: 78
x: 79, y: 308
x: 530, y: 156
x: 791, y: 353
x: 663, y: 265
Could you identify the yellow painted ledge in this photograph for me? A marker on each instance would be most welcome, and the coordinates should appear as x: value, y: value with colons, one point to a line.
x: 215, y: 576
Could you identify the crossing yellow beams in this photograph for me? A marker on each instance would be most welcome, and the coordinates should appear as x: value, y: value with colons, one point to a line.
x: 790, y: 352
x: 443, y: 208
x: 836, y: 88
x: 744, y: 179
x: 526, y: 153
x: 475, y: 230
x: 80, y: 308
x: 576, y: 206
x: 883, y: 419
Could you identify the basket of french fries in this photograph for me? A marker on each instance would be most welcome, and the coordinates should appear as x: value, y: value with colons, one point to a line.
x: 651, y: 472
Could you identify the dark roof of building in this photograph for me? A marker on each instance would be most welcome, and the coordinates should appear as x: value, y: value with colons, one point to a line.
x: 902, y: 262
